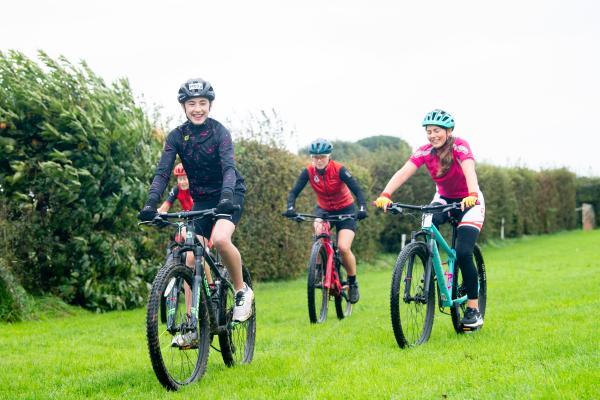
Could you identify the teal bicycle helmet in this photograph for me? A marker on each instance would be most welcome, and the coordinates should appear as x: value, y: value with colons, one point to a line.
x: 439, y: 118
x: 320, y: 146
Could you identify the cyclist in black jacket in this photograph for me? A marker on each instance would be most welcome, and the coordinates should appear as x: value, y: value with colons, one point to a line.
x: 205, y: 148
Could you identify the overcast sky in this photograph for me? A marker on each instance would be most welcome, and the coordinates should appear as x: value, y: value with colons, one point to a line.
x: 520, y: 77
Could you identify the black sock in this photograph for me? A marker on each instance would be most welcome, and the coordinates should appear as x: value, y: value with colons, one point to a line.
x: 351, y: 279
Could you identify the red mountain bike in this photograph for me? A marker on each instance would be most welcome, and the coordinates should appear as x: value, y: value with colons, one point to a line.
x: 327, y: 279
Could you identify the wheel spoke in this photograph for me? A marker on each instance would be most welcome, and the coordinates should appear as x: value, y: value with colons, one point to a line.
x: 411, y: 311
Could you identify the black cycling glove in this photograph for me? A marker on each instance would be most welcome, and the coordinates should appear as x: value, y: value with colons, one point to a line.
x: 362, y: 213
x: 225, y: 205
x: 147, y: 213
x: 290, y: 212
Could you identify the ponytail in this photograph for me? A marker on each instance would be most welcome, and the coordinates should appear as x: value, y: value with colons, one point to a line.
x: 445, y: 153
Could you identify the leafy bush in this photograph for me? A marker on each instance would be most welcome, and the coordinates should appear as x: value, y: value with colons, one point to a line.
x: 272, y: 247
x: 75, y: 158
x: 13, y: 298
x: 77, y: 155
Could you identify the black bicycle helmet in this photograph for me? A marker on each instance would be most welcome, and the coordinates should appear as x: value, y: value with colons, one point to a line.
x: 320, y: 146
x: 195, y: 88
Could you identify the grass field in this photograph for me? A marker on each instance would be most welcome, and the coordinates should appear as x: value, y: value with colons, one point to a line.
x: 541, y: 340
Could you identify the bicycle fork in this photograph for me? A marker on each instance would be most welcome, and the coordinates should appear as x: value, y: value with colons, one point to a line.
x: 330, y: 282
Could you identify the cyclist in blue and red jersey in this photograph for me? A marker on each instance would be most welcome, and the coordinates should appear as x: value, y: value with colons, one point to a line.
x: 451, y: 165
x: 333, y: 184
x: 206, y: 151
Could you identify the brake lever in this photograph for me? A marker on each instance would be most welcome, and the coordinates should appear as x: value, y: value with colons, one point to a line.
x: 395, y: 210
x: 159, y: 222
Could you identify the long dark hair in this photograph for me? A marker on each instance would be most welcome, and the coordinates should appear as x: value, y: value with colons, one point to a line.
x: 445, y: 155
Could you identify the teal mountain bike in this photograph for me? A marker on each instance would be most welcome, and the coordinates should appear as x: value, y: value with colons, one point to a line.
x: 418, y: 268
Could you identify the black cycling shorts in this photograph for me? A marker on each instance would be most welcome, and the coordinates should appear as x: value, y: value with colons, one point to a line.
x: 345, y: 224
x: 204, y: 226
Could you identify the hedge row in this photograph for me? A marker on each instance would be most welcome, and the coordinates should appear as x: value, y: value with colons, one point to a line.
x: 77, y: 156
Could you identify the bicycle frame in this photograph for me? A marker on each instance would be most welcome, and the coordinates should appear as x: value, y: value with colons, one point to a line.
x: 332, y: 280
x: 201, y: 254
x: 433, y: 239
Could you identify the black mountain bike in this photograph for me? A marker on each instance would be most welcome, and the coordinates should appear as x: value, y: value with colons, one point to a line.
x: 207, y: 312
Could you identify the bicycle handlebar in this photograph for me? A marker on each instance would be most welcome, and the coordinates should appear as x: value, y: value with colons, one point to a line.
x: 398, y: 208
x: 161, y: 219
x: 329, y: 218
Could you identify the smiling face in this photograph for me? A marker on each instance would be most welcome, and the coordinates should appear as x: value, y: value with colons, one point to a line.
x: 197, y: 109
x: 319, y: 161
x: 437, y: 135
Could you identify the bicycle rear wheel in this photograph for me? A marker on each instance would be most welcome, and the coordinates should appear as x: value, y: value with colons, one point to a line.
x: 343, y: 307
x: 174, y: 366
x: 458, y: 290
x: 237, y: 342
x: 318, y: 295
x: 412, y: 311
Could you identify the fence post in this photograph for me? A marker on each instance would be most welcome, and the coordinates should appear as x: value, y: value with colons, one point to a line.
x: 403, y: 241
x: 502, y: 229
x: 588, y: 217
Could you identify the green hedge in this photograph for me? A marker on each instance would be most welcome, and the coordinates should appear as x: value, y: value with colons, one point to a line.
x: 76, y: 156
x: 271, y: 246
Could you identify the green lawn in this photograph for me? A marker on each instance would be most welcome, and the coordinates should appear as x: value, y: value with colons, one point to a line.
x: 540, y: 340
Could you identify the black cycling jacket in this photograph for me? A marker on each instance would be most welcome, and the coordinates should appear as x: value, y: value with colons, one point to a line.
x: 206, y: 152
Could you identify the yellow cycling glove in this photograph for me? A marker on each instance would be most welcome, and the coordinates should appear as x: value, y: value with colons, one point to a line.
x: 384, y: 200
x: 469, y: 201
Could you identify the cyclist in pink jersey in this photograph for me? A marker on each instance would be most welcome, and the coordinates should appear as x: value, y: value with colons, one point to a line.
x: 451, y: 165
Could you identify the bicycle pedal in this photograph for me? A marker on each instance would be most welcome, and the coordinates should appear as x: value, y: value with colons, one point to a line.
x: 469, y: 329
x: 190, y: 347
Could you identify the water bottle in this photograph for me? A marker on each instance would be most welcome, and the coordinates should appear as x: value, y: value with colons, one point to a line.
x: 448, y: 275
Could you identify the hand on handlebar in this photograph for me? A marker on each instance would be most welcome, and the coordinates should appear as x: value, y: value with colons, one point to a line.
x: 290, y: 212
x: 147, y: 214
x: 362, y: 213
x: 383, y: 201
x: 469, y: 201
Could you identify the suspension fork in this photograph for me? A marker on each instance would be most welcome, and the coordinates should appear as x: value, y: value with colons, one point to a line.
x: 429, y: 266
x: 329, y: 266
x: 200, y: 284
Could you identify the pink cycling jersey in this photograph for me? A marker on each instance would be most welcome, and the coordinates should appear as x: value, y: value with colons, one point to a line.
x: 453, y: 183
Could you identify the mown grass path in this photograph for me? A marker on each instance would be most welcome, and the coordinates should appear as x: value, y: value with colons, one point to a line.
x: 540, y: 340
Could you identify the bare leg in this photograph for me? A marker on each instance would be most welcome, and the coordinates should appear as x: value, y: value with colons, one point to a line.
x: 222, y: 233
x: 345, y: 238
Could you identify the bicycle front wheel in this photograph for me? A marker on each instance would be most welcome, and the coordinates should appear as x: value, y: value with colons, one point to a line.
x: 175, y: 366
x: 318, y: 295
x: 412, y: 309
x: 237, y: 341
x: 458, y: 291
